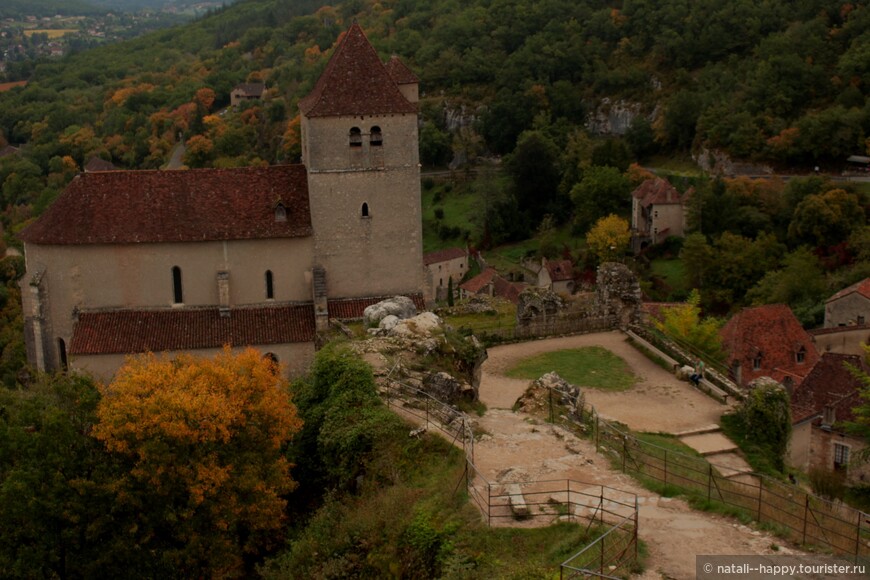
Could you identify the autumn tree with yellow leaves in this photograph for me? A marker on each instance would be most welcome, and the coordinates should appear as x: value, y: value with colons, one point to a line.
x: 609, y: 238
x: 203, y: 446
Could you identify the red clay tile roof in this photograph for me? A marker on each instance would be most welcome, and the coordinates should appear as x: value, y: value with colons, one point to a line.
x: 831, y: 382
x: 399, y: 72
x: 132, y: 331
x: 355, y: 82
x: 560, y: 270
x: 116, y: 207
x: 862, y: 288
x: 773, y: 332
x: 97, y: 164
x: 836, y: 329
x: 443, y: 255
x: 251, y: 89
x: 351, y: 308
x: 656, y: 191
x: 8, y: 150
x: 477, y: 283
x: 508, y: 290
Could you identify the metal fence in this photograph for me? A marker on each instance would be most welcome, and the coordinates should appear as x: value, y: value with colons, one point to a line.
x: 792, y: 512
x: 550, y: 327
x: 600, y: 508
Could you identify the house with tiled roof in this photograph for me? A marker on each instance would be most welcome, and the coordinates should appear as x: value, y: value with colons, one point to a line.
x: 657, y: 212
x: 126, y: 262
x: 245, y: 92
x: 441, y: 267
x: 768, y: 341
x: 850, y: 306
x: 821, y: 406
x: 556, y: 275
x: 847, y: 320
x: 490, y: 283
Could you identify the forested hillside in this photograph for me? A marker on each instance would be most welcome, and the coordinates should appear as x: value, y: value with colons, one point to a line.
x: 569, y: 91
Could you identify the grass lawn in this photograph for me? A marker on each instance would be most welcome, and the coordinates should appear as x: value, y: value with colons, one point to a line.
x: 591, y: 366
x: 673, y: 272
x: 505, y: 317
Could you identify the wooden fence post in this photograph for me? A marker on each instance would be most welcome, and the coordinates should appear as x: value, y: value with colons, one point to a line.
x: 666, y: 467
x: 709, y: 483
x: 858, y: 537
x: 597, y: 433
x: 760, y: 490
x: 624, y: 451
x: 806, y: 513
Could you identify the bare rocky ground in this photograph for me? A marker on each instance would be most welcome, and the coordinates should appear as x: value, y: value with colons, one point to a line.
x: 518, y: 447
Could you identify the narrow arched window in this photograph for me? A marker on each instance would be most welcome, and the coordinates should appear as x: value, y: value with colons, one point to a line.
x: 177, y: 296
x: 376, y: 139
x: 61, y: 350
x: 355, y: 137
x: 270, y: 288
x: 365, y: 210
x: 280, y: 213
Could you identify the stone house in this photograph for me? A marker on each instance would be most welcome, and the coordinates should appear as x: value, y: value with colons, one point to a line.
x: 657, y: 212
x: 443, y: 265
x: 850, y: 306
x: 557, y: 275
x: 246, y: 92
x: 133, y: 261
x: 847, y: 320
x: 768, y: 341
x: 820, y: 407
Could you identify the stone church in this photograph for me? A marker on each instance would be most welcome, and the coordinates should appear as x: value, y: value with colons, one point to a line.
x: 165, y: 261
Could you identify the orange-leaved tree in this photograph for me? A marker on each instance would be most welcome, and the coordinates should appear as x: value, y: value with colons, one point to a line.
x: 203, y: 445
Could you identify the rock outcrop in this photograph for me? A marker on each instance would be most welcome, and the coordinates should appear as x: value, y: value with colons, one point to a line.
x: 618, y: 293
x: 399, y: 306
x: 538, y: 304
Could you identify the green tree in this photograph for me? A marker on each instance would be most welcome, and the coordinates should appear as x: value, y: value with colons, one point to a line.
x: 202, y: 442
x: 57, y: 515
x: 450, y: 291
x: 827, y: 219
x: 533, y: 167
x: 435, y: 145
x: 684, y: 324
x: 344, y: 423
x: 766, y: 417
x: 800, y: 283
x: 602, y: 191
x: 697, y: 256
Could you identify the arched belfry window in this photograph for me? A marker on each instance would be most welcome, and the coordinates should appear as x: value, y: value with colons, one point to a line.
x: 270, y: 288
x: 365, y: 210
x: 376, y: 139
x: 280, y: 213
x: 177, y: 296
x: 355, y: 137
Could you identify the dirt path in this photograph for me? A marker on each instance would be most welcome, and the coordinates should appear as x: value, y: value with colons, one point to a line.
x: 518, y: 447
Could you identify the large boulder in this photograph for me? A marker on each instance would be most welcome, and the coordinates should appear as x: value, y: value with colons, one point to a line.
x: 421, y: 326
x: 536, y: 399
x: 445, y: 387
x: 399, y: 306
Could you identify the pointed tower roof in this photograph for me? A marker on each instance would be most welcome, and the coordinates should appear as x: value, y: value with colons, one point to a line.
x: 400, y: 72
x: 355, y: 82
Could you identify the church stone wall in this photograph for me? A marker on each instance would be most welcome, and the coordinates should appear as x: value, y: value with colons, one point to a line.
x: 140, y: 275
x: 296, y: 359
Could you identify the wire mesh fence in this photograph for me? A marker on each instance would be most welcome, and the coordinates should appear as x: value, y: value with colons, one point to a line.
x: 790, y: 510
